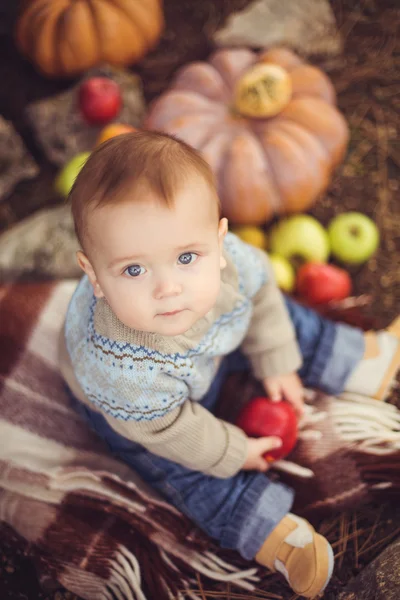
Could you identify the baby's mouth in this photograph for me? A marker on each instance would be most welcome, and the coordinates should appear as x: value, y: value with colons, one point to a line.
x: 170, y: 314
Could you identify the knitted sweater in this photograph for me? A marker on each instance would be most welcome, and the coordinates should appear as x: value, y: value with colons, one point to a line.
x: 148, y: 386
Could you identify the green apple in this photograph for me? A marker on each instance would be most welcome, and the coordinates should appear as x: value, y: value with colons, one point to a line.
x: 300, y: 238
x: 354, y: 237
x: 283, y: 272
x: 67, y: 175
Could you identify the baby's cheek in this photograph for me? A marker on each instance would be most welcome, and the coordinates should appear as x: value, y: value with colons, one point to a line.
x: 208, y: 290
x: 132, y: 309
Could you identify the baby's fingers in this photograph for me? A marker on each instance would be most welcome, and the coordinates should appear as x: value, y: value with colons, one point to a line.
x: 294, y: 393
x: 274, y: 391
x: 297, y: 401
x: 266, y: 444
x: 262, y: 465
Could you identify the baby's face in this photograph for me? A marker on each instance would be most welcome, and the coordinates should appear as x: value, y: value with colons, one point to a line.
x: 158, y: 267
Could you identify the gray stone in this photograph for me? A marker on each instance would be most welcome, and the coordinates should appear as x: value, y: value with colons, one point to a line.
x: 59, y: 126
x: 16, y: 163
x: 307, y: 26
x: 42, y: 246
x: 380, y: 580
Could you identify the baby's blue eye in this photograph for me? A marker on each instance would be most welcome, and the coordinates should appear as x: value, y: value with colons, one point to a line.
x: 134, y: 270
x: 187, y: 257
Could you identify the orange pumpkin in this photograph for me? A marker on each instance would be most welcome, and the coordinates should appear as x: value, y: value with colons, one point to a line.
x: 113, y: 130
x: 267, y: 124
x: 67, y: 37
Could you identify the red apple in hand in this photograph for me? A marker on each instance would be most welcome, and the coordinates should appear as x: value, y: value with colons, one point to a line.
x: 99, y: 99
x: 319, y: 283
x: 263, y: 418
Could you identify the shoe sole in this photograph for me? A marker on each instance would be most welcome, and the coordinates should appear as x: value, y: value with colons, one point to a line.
x: 331, y: 565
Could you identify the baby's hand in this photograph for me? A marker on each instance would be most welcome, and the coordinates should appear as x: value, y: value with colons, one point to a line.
x: 288, y: 387
x: 256, y: 448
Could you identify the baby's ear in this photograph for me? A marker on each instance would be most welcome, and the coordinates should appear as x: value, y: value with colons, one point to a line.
x: 222, y: 231
x: 86, y: 266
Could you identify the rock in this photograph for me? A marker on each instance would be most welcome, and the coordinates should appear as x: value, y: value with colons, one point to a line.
x: 42, y: 246
x: 16, y: 163
x: 380, y: 580
x: 61, y: 130
x: 307, y: 26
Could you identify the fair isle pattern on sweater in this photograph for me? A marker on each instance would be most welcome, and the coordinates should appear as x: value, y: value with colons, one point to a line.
x: 132, y: 381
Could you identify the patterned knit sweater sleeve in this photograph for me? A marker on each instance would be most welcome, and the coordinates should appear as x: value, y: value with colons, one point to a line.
x: 137, y: 391
x: 270, y: 342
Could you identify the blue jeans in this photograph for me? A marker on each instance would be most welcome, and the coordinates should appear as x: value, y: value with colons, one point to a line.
x: 240, y: 512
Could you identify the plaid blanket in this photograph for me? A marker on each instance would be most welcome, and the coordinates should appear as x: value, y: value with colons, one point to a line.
x: 92, y: 525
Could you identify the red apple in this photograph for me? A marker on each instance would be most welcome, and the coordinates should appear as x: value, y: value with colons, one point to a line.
x: 261, y: 417
x: 99, y: 99
x: 321, y: 283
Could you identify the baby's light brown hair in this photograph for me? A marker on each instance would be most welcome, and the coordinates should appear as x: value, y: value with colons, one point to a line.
x: 129, y: 163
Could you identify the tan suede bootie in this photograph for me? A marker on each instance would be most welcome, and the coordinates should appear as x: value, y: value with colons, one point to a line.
x: 304, y: 557
x: 376, y: 372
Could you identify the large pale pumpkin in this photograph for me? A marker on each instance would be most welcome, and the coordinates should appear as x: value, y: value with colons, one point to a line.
x: 67, y: 37
x: 277, y: 159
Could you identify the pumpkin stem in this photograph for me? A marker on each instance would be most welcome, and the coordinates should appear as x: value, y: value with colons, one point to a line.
x: 264, y: 91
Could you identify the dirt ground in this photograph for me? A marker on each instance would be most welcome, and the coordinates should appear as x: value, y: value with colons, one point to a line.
x: 367, y: 80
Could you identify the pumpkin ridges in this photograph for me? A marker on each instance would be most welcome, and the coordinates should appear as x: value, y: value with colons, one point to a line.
x: 149, y: 19
x: 194, y: 129
x: 279, y: 123
x: 125, y: 39
x: 214, y: 151
x: 93, y: 16
x: 25, y: 25
x: 323, y: 120
x: 80, y: 43
x: 127, y: 13
x: 116, y: 34
x: 43, y: 50
x: 246, y: 175
x: 303, y: 181
x: 320, y: 147
x: 312, y: 147
x: 231, y: 64
x: 283, y: 57
x: 29, y: 24
x: 310, y: 81
x: 180, y: 103
x: 259, y: 128
x: 203, y: 79
x: 57, y: 35
x: 91, y: 5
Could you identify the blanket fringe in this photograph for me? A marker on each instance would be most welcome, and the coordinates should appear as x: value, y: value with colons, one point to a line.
x: 367, y: 425
x: 215, y: 568
x: 374, y: 426
x: 125, y: 582
x: 126, y: 575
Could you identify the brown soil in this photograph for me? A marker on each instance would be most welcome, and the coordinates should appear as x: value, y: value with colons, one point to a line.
x: 367, y: 81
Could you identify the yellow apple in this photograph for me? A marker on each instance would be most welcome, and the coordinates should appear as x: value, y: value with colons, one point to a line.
x: 252, y: 235
x: 284, y: 272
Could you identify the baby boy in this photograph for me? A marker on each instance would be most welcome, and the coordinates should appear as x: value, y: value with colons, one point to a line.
x: 170, y: 304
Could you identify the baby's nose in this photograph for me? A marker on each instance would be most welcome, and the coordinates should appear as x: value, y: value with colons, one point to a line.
x: 167, y: 289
